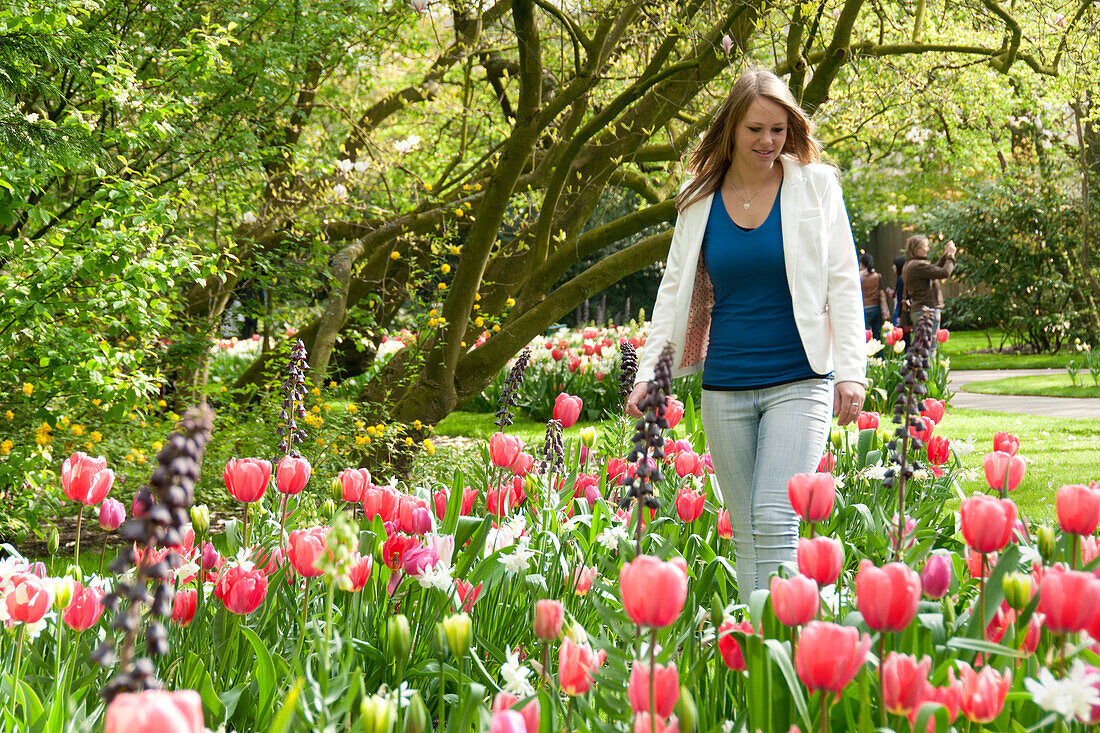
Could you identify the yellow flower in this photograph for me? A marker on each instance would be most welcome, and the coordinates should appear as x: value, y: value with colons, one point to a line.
x: 157, y: 445
x: 9, y: 415
x: 395, y: 255
x: 224, y: 388
x: 429, y: 446
x: 141, y: 458
x: 174, y: 416
x: 359, y: 424
x: 63, y: 420
x: 315, y: 408
x: 96, y: 436
x: 77, y: 429
x: 417, y: 425
x: 319, y: 441
x: 477, y: 306
x: 42, y: 434
x: 331, y: 384
x: 5, y: 447
x: 162, y: 403
x: 28, y: 388
x: 129, y: 457
x: 455, y: 249
x: 459, y: 212
x: 143, y: 424
x: 353, y: 408
x: 432, y: 312
x: 361, y: 440
x: 479, y: 321
x: 408, y: 441
x: 381, y: 428
x: 326, y: 406
x: 315, y: 391
x: 88, y: 445
x: 427, y: 186
x: 97, y: 402
x: 442, y: 286
x: 371, y: 430
x: 477, y: 297
x: 496, y: 327
x: 477, y: 186
x: 510, y: 302
x: 445, y: 268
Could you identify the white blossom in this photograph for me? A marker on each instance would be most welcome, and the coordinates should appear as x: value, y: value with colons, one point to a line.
x: 32, y: 117
x: 362, y: 166
x: 437, y: 576
x: 344, y: 165
x: 339, y: 192
x: 409, y: 144
x: 515, y: 675
x: 1072, y: 696
x: 248, y: 218
x: 614, y: 534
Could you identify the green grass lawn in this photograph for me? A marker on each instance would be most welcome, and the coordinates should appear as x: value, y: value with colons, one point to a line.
x: 961, y: 343
x: 1060, y: 450
x: 1054, y: 385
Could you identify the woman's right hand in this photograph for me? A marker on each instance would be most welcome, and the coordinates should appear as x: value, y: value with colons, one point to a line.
x: 950, y: 249
x: 636, y: 395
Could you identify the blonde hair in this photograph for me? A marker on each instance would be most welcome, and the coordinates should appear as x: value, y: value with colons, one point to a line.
x: 709, y: 161
x: 913, y: 244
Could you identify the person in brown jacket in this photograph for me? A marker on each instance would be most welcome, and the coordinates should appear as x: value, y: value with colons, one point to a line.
x: 921, y: 277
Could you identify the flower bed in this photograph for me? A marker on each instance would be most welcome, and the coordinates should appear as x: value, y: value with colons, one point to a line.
x: 535, y: 593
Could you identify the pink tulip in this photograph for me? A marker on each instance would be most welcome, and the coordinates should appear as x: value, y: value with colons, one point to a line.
x: 674, y: 412
x: 577, y: 663
x: 666, y: 688
x: 1003, y: 470
x: 723, y: 526
x: 987, y: 523
x: 1078, y: 509
x: 689, y: 505
x: 942, y: 334
x: 794, y: 600
x: 829, y: 656
x: 360, y: 571
x: 26, y: 598
x: 504, y: 449
x: 582, y: 579
x: 867, y: 420
x: 380, y: 501
x: 653, y: 591
x: 246, y: 479
x: 291, y: 474
x: 524, y: 464
x: 549, y: 618
x: 935, y: 577
x: 984, y: 692
x: 903, y: 681
x: 812, y: 495
x: 933, y: 410
x: 1006, y: 443
x: 155, y: 711
x: 184, y: 606
x: 921, y: 428
x: 820, y: 558
x: 111, y: 514
x: 644, y: 723
x: 210, y: 557
x: 938, y: 450
x: 84, y: 609
x: 419, y: 559
x: 1068, y: 599
x: 567, y: 409
x: 353, y: 484
x: 689, y: 464
x: 887, y: 596
x: 85, y: 479
x: 728, y: 647
x: 242, y: 591
x: 530, y: 712
x: 304, y: 548
x: 507, y: 721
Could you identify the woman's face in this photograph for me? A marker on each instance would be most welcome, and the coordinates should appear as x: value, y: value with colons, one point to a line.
x: 923, y: 249
x: 760, y: 136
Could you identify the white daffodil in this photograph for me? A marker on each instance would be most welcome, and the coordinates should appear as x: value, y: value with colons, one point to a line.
x: 1073, y: 696
x: 515, y: 676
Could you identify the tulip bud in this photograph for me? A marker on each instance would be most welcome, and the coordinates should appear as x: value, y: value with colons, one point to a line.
x: 836, y: 437
x: 75, y: 572
x: 53, y: 541
x: 210, y: 557
x: 200, y: 518
x: 1018, y: 589
x: 399, y: 637
x: 588, y: 436
x: 1048, y: 543
x: 63, y: 593
x: 549, y: 615
x: 686, y: 712
x: 935, y: 577
x: 439, y: 640
x: 459, y: 630
x: 329, y: 508
x: 376, y: 715
x: 336, y: 489
x: 416, y: 715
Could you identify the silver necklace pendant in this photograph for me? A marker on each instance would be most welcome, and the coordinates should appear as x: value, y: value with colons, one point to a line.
x: 746, y: 205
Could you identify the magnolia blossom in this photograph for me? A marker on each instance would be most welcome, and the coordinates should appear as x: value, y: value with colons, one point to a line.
x: 409, y: 144
x: 339, y: 192
x: 248, y: 218
x: 344, y: 166
x: 1072, y: 696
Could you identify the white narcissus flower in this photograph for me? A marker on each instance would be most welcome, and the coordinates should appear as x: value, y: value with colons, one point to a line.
x: 1073, y: 696
x: 515, y: 676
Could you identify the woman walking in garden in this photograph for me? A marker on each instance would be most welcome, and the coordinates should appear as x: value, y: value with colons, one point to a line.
x: 921, y: 277
x: 761, y: 293
x: 874, y: 295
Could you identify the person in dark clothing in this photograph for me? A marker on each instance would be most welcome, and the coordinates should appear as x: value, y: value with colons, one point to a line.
x: 874, y: 295
x: 922, y: 286
x: 899, y: 289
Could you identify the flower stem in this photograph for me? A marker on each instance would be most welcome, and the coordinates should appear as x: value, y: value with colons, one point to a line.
x: 882, y: 678
x: 442, y: 703
x: 328, y: 623
x: 15, y: 690
x: 101, y: 554
x: 282, y: 520
x: 824, y: 711
x: 302, y: 631
x: 653, y: 681
x: 245, y: 524
x: 981, y: 594
x: 79, y: 519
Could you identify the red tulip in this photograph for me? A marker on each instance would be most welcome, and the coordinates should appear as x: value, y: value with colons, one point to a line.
x: 582, y: 579
x: 1078, y: 509
x: 1003, y: 618
x: 616, y: 469
x: 576, y: 665
x: 155, y: 711
x: 689, y: 464
x: 1068, y: 599
x: 820, y: 558
x: 653, y: 591
x: 938, y: 450
x: 987, y: 523
x: 304, y: 548
x: 723, y: 526
x: 549, y: 618
x: 887, y: 596
x: 921, y: 428
x: 85, y: 479
x: 867, y: 420
x: 812, y: 495
x: 1034, y: 631
x: 794, y: 600
x: 827, y: 463
x: 644, y: 723
x: 666, y: 688
x: 84, y: 609
x: 1006, y: 443
x: 933, y: 410
x: 974, y: 563
x: 935, y: 577
x: 567, y: 409
x: 504, y: 449
x: 689, y: 504
x: 361, y: 566
x: 984, y: 692
x: 1003, y: 470
x: 942, y: 334
x: 380, y: 501
x: 903, y: 681
x: 524, y: 464
x: 829, y: 655
x: 25, y: 597
x: 949, y: 697
x: 728, y: 646
x: 674, y: 412
x: 111, y: 514
x: 241, y: 590
x: 354, y: 483
x: 246, y: 479
x: 530, y: 712
x: 500, y: 501
x: 184, y: 606
x: 291, y: 474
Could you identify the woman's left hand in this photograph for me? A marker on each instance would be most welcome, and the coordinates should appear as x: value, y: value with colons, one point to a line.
x: 848, y: 401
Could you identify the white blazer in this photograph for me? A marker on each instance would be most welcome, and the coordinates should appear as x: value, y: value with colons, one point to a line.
x: 822, y: 273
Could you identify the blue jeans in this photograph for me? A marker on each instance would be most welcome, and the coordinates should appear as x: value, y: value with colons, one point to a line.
x: 758, y: 439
